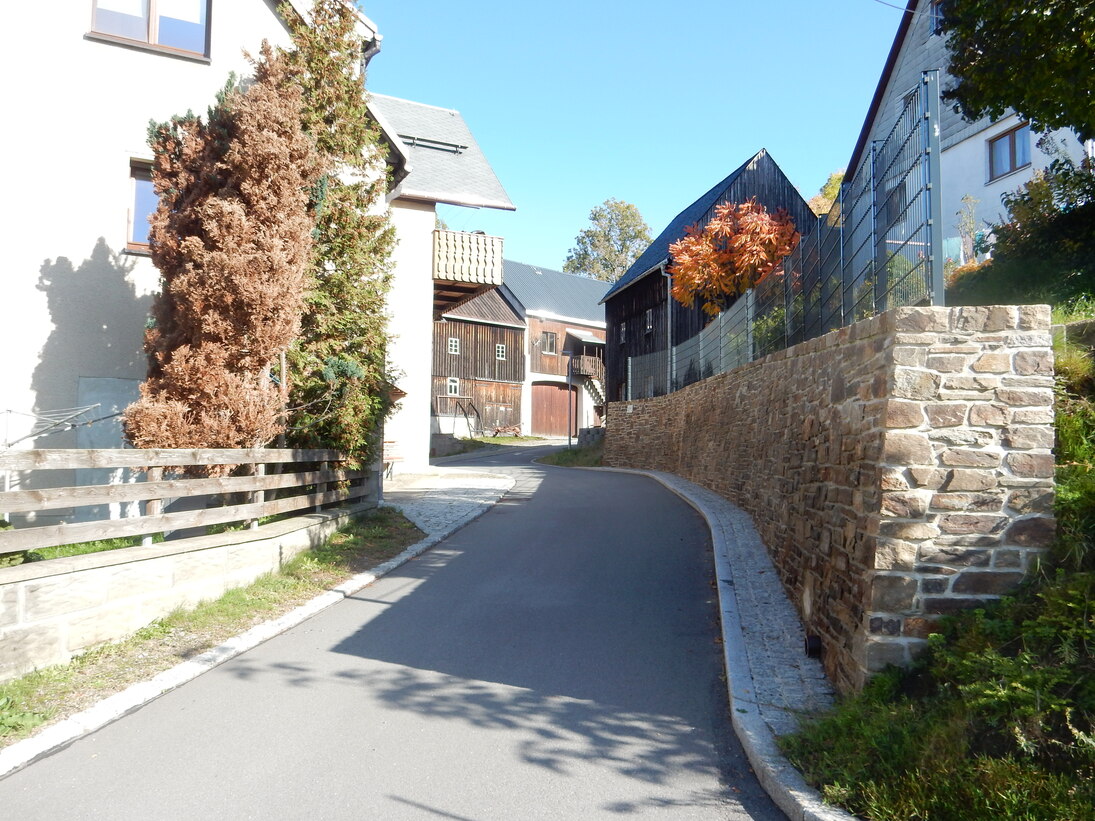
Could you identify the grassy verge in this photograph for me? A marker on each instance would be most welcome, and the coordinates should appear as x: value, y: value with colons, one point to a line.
x: 506, y: 440
x: 997, y: 720
x: 576, y: 457
x: 54, y: 693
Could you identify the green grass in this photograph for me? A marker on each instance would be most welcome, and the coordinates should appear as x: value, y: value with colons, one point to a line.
x: 997, y: 719
x: 576, y: 457
x: 57, y: 692
x: 506, y: 440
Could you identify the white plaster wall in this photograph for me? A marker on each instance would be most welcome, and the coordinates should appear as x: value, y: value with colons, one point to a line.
x: 410, y: 327
x: 965, y: 170
x: 73, y: 303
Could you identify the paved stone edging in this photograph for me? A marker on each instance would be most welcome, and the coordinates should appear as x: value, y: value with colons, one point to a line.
x: 769, y: 679
x: 60, y: 735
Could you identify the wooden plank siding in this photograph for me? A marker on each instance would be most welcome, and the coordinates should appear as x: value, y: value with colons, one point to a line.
x: 478, y: 351
x: 556, y: 364
x: 485, y: 404
x: 630, y: 334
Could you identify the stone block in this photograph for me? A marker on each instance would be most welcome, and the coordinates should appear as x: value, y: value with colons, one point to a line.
x: 1034, y: 317
x: 961, y: 524
x: 958, y: 437
x: 919, y: 627
x: 1002, y: 318
x: 963, y: 480
x: 948, y: 363
x: 1008, y: 559
x: 992, y: 415
x: 891, y: 479
x: 977, y: 502
x: 929, y: 478
x: 26, y: 648
x: 901, y: 414
x: 1034, y: 363
x: 199, y: 565
x: 881, y: 654
x: 913, y: 531
x: 902, y: 448
x: 993, y: 362
x: 60, y: 595
x: 972, y: 384
x: 934, y: 586
x: 1027, y: 437
x: 970, y: 319
x: 969, y: 457
x: 914, y: 383
x: 254, y: 556
x: 10, y: 612
x: 905, y: 505
x: 918, y: 320
x: 105, y: 624
x: 946, y: 414
x: 140, y: 578
x: 986, y: 582
x: 1036, y: 531
x: 884, y: 626
x: 910, y: 357
x: 1032, y: 416
x: 892, y: 594
x: 1027, y: 382
x: 955, y: 556
x: 1031, y: 500
x: 894, y: 554
x: 1025, y: 397
x: 1031, y: 465
x: 946, y: 605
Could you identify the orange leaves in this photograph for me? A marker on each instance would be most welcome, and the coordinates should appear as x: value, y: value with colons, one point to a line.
x: 739, y: 246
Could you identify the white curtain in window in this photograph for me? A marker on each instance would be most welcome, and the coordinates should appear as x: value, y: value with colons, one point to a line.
x: 189, y: 11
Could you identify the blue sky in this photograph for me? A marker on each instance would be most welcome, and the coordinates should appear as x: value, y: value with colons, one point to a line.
x: 652, y: 103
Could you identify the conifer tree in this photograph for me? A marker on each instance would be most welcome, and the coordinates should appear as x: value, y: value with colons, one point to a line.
x: 231, y: 238
x: 339, y: 382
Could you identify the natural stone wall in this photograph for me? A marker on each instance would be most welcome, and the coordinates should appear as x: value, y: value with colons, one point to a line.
x: 52, y: 610
x: 897, y: 469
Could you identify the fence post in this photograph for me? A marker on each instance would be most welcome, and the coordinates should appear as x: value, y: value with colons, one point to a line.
x: 257, y: 496
x: 321, y: 487
x: 152, y: 507
x: 750, y: 312
x: 930, y: 123
x: 876, y: 294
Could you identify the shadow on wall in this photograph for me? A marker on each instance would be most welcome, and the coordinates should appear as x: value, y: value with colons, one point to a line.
x: 94, y: 354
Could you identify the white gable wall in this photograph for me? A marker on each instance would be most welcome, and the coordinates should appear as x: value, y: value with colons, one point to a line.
x: 74, y: 304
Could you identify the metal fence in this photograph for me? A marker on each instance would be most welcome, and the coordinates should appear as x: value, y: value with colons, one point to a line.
x: 879, y: 247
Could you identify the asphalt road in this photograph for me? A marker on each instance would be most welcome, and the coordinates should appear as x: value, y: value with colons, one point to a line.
x: 555, y: 659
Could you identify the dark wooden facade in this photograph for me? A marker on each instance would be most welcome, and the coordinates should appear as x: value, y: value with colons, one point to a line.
x: 641, y: 316
x: 543, y: 362
x: 488, y: 388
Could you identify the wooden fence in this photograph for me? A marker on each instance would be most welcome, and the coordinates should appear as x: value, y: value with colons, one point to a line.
x: 305, y: 480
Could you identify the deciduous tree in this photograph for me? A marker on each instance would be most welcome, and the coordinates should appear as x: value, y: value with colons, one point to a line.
x: 739, y: 246
x: 1037, y: 58
x: 616, y: 237
x: 822, y: 202
x: 231, y: 238
x: 339, y: 382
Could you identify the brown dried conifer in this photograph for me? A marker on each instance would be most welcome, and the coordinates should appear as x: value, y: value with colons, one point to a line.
x: 232, y: 241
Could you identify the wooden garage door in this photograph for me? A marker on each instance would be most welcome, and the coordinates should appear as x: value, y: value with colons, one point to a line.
x: 549, y: 409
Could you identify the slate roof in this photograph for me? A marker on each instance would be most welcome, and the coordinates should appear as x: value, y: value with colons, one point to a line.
x: 542, y: 290
x: 443, y: 161
x: 658, y: 251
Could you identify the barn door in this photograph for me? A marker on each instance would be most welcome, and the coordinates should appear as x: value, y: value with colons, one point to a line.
x: 549, y: 409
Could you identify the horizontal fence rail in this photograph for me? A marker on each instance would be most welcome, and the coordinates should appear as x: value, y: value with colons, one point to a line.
x: 313, y: 478
x: 878, y: 248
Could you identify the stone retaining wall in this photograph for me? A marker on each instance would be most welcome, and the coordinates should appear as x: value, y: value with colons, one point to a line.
x: 897, y: 469
x: 52, y: 610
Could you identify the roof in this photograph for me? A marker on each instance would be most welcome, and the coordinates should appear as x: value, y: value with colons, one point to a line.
x: 883, y: 81
x: 443, y: 161
x: 658, y: 250
x: 546, y: 292
x: 491, y: 307
x: 587, y: 337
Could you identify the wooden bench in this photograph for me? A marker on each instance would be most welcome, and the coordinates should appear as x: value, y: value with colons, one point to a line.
x: 389, y: 457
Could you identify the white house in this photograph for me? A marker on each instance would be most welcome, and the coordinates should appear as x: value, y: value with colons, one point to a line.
x: 980, y: 160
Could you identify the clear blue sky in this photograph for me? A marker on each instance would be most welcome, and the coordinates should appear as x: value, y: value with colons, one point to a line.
x: 648, y: 102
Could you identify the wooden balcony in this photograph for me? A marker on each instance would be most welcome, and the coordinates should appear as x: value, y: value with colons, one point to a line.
x: 588, y: 366
x: 464, y: 264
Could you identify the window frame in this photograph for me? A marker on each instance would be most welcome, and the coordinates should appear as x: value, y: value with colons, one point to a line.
x: 648, y: 319
x: 452, y: 386
x: 1010, y: 136
x: 138, y: 170
x: 500, y: 352
x: 544, y: 337
x: 935, y: 17
x: 152, y: 34
x: 454, y: 346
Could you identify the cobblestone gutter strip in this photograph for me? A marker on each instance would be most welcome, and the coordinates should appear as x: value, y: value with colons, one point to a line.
x: 769, y: 679
x: 60, y: 735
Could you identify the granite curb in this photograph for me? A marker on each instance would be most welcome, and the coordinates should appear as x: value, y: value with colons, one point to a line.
x: 782, y: 781
x: 58, y: 736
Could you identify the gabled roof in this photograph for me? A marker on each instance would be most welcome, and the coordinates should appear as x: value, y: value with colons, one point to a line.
x: 443, y: 163
x: 491, y: 307
x: 658, y: 251
x: 545, y: 292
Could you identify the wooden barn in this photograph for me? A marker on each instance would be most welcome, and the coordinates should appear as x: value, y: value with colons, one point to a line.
x: 478, y: 366
x: 643, y: 321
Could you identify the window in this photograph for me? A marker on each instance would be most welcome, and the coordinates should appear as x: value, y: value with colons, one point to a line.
x: 547, y: 342
x: 936, y: 15
x: 500, y: 352
x: 142, y: 204
x: 1009, y: 152
x: 454, y: 345
x: 623, y: 333
x: 181, y: 25
x: 453, y: 387
x: 649, y: 318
